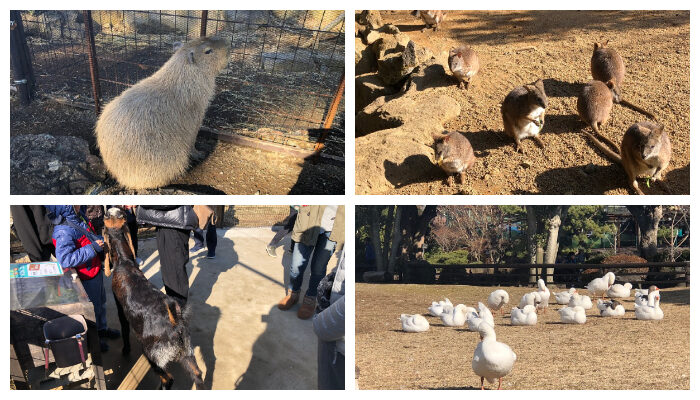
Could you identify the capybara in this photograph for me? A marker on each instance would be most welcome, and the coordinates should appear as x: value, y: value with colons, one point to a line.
x: 147, y: 133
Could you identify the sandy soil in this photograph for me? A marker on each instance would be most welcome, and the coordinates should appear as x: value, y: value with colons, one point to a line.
x: 517, y: 47
x: 240, y: 338
x: 604, y: 353
x: 227, y: 168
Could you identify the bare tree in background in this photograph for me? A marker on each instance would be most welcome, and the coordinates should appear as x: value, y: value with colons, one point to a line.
x: 648, y: 218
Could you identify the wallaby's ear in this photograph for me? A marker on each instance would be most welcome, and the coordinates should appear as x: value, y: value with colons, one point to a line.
x: 606, y: 43
x: 190, y: 56
x: 596, y: 45
x: 660, y: 128
x: 540, y: 85
x: 177, y: 46
x: 610, y: 84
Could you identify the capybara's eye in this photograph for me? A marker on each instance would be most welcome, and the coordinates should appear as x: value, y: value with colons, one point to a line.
x: 207, y: 51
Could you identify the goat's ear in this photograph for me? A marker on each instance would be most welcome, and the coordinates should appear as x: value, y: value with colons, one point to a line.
x: 108, y: 269
x: 127, y: 235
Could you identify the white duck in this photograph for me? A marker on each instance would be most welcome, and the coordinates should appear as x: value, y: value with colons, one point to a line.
x: 492, y: 359
x: 573, y: 315
x: 544, y: 295
x: 475, y: 319
x: 652, y: 310
x: 611, y: 308
x: 641, y: 295
x: 599, y: 286
x: 414, y: 323
x: 564, y: 297
x: 437, y: 307
x: 617, y: 291
x: 457, y: 317
x: 532, y: 298
x: 497, y: 299
x: 580, y: 300
x: 526, y: 316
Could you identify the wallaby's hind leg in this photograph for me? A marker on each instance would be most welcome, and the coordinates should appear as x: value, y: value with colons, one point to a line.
x: 190, y: 364
x: 124, y: 323
x: 539, y: 141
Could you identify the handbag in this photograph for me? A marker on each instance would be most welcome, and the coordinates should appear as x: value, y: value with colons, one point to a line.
x: 182, y: 217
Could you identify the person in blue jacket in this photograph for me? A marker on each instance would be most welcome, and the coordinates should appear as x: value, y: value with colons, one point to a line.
x: 78, y: 246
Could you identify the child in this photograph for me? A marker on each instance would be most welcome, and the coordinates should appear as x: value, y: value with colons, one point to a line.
x: 78, y: 247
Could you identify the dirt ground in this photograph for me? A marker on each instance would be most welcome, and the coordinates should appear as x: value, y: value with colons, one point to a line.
x: 240, y: 339
x: 518, y: 47
x: 604, y: 353
x: 227, y: 168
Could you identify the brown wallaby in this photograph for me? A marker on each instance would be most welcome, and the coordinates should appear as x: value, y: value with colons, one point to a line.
x: 523, y: 113
x: 594, y: 105
x: 607, y: 65
x: 464, y: 64
x: 432, y: 18
x: 645, y: 151
x: 454, y: 154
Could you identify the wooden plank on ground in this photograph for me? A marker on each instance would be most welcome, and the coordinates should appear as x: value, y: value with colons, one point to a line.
x: 134, y: 377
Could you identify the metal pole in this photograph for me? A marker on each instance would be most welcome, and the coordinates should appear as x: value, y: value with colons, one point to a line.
x: 92, y: 59
x: 203, y: 28
x: 330, y: 116
x: 21, y: 60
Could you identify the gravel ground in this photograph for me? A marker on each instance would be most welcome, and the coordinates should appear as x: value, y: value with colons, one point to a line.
x: 604, y: 353
x: 517, y: 47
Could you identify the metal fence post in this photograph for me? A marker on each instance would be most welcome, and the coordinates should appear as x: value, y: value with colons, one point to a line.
x: 203, y: 28
x: 21, y: 59
x: 330, y: 116
x: 92, y: 59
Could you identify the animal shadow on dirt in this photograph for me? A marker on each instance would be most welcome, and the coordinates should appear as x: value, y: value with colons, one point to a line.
x: 440, y: 78
x: 584, y: 179
x: 416, y: 168
x: 565, y: 123
x: 412, y: 28
x: 483, y: 141
x: 678, y: 180
x: 557, y: 88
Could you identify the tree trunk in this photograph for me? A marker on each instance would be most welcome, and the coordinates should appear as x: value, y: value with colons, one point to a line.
x: 395, y: 241
x: 647, y: 218
x: 375, y: 238
x: 532, y: 239
x: 415, y: 221
x: 553, y: 223
x: 388, y: 235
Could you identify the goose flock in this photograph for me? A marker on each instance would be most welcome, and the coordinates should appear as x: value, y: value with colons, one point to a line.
x: 493, y: 360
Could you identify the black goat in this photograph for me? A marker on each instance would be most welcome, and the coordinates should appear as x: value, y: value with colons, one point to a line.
x: 159, y: 321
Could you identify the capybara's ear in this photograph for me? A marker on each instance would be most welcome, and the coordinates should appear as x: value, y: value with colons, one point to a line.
x: 177, y: 46
x: 190, y: 56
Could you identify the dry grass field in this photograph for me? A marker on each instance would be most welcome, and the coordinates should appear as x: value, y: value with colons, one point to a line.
x: 604, y: 353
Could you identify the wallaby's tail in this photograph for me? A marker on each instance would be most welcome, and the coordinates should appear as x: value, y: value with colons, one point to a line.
x: 607, y: 141
x: 637, y: 109
x: 611, y: 154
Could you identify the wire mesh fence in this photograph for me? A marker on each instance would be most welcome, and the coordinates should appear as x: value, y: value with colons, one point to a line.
x: 284, y: 71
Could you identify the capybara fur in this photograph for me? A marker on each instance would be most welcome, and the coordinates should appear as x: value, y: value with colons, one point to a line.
x: 147, y: 133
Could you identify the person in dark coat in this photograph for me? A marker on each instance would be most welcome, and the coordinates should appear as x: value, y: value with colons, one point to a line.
x: 173, y: 225
x: 34, y: 229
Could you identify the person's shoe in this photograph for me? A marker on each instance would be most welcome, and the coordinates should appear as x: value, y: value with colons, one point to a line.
x: 104, y: 347
x: 288, y: 301
x: 271, y: 251
x: 307, y: 308
x: 196, y: 248
x: 109, y: 333
x: 211, y: 255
